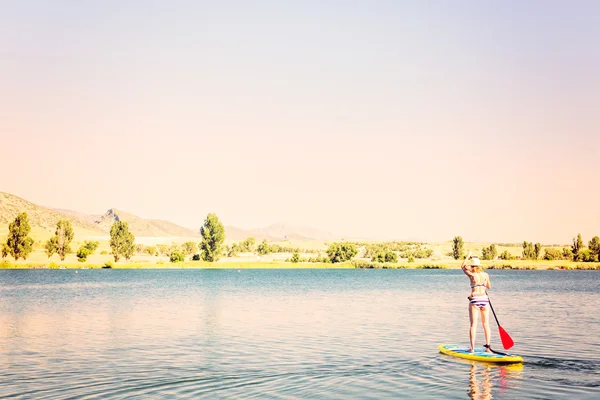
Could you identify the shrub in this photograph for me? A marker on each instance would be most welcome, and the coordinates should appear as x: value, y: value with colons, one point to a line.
x: 295, y: 257
x: 108, y: 264
x: 196, y: 257
x: 506, y: 256
x: 177, y: 256
x: 340, y: 252
x: 391, y: 257
x: 83, y: 253
x: 411, y: 259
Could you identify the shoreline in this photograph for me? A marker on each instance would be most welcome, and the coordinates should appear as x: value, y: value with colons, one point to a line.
x: 355, y: 264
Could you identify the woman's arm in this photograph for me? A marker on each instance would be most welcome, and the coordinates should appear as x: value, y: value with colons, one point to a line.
x: 464, y: 265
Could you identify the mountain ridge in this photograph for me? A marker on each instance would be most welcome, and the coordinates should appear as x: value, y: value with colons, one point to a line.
x: 99, y: 225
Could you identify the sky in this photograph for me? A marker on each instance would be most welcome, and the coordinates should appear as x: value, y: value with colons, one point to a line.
x: 381, y: 119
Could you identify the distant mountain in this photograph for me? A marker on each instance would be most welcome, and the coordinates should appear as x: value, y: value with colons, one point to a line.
x: 99, y: 225
x: 294, y: 232
x: 41, y: 217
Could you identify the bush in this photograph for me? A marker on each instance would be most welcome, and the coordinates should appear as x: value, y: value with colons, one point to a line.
x: 391, y: 257
x: 177, y: 256
x: 53, y: 265
x: 108, y: 264
x: 506, y: 256
x: 340, y: 252
x: 411, y: 259
x: 295, y: 257
x: 553, y: 254
x: 196, y: 257
x: 83, y: 253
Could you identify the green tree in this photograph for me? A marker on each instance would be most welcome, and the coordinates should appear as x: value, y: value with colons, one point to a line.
x: 263, y: 248
x: 506, y: 255
x: 177, y: 256
x: 489, y: 253
x: 189, y: 248
x: 151, y: 250
x: 537, y: 250
x: 232, y: 250
x: 457, y: 247
x: 121, y: 240
x: 213, y: 236
x: 577, y: 246
x: 391, y: 257
x: 295, y: 257
x: 61, y: 241
x: 340, y: 252
x: 18, y: 243
x: 594, y: 246
x: 82, y: 253
x: 247, y: 245
x: 528, y: 251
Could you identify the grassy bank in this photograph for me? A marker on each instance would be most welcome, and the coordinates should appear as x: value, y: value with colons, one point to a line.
x: 364, y: 264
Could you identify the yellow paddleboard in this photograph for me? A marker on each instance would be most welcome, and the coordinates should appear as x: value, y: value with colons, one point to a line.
x: 479, y: 354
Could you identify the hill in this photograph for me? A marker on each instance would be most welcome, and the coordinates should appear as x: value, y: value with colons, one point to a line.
x: 42, y: 218
x: 43, y: 221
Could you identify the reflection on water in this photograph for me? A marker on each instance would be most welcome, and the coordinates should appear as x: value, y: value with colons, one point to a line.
x: 287, y: 334
x: 483, y: 377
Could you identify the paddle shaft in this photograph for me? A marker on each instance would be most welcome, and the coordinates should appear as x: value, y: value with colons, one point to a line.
x: 493, y: 312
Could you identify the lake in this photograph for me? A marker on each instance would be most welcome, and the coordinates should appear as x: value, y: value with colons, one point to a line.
x: 291, y: 334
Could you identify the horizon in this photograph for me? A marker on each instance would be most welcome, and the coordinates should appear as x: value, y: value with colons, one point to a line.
x: 379, y: 120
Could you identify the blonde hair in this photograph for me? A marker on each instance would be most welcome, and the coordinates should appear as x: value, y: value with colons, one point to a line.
x: 476, y: 268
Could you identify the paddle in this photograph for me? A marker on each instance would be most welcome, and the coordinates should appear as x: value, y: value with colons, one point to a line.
x: 507, y: 341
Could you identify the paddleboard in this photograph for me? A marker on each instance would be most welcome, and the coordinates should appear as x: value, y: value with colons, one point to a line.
x: 478, y: 354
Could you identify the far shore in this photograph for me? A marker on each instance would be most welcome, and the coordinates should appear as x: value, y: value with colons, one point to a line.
x: 355, y: 264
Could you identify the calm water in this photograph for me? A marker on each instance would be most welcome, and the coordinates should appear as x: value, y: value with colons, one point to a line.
x: 290, y: 334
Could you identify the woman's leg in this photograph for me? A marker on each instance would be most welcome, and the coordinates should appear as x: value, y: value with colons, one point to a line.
x: 485, y: 321
x: 473, y: 329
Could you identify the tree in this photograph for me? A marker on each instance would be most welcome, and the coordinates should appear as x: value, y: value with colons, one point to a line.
x: 506, y: 255
x: 263, y: 248
x: 61, y: 241
x: 189, y: 248
x: 391, y: 257
x: 528, y: 251
x: 82, y: 253
x: 457, y: 247
x: 150, y: 250
x: 121, y: 241
x: 18, y: 243
x: 577, y: 246
x: 537, y: 250
x: 594, y: 246
x: 247, y: 245
x: 177, y: 256
x: 340, y: 252
x: 5, y: 251
x: 553, y: 254
x: 295, y: 257
x: 213, y: 236
x: 489, y: 253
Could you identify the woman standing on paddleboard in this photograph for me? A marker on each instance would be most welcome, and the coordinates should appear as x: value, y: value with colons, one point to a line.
x: 478, y: 300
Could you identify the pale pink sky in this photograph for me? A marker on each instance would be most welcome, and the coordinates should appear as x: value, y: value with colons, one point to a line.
x: 378, y: 120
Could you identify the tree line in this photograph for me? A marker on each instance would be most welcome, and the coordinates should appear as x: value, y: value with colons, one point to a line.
x: 530, y: 251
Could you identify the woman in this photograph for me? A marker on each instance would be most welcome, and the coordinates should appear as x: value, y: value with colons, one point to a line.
x: 478, y: 300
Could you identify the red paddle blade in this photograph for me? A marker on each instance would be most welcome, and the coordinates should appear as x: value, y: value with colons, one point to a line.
x: 507, y: 341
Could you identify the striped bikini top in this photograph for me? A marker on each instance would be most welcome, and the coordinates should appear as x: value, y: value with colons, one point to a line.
x: 480, y: 284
